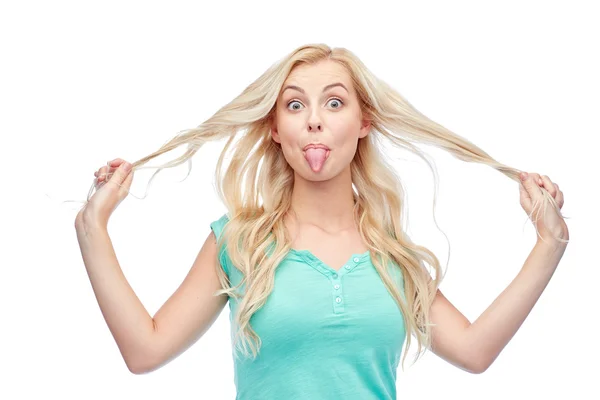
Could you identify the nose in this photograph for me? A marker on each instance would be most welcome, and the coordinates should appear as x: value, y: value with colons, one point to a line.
x: 315, y: 126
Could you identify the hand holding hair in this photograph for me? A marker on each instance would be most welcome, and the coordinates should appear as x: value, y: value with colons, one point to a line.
x: 112, y: 185
x: 549, y: 224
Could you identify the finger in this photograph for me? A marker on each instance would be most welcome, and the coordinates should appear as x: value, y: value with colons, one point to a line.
x: 548, y: 185
x: 531, y: 177
x: 524, y: 197
x: 101, y: 174
x: 560, y: 199
x: 535, y: 195
x: 101, y: 171
x: 531, y: 183
x: 115, y: 163
x: 127, y: 183
x: 100, y: 179
x: 523, y: 190
x: 121, y: 172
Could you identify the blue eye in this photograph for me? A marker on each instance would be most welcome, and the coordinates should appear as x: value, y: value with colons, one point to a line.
x: 332, y: 99
x: 293, y: 101
x: 338, y: 100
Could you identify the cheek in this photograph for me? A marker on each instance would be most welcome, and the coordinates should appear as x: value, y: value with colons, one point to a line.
x: 287, y: 141
x: 290, y: 131
x: 286, y: 127
x: 344, y: 131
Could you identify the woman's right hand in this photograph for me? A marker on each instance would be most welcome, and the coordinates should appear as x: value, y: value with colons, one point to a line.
x: 112, y: 186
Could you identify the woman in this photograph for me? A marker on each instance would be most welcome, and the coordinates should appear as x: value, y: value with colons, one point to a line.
x: 324, y: 284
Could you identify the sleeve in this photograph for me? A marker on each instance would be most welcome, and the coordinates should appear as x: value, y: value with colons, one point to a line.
x: 217, y: 227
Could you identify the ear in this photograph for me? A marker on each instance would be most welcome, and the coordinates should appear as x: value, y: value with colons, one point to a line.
x: 275, y: 133
x: 365, y: 128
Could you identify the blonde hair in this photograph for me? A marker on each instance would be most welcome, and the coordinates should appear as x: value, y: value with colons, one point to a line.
x: 379, y: 197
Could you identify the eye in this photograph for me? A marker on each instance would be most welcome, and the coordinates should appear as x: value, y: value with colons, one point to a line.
x: 335, y: 99
x: 291, y: 102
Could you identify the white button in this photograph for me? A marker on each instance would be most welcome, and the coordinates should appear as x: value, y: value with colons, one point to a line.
x: 347, y: 266
x: 336, y: 286
x: 356, y: 259
x: 338, y: 299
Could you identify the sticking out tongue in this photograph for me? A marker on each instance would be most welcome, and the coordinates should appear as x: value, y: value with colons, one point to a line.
x: 316, y: 158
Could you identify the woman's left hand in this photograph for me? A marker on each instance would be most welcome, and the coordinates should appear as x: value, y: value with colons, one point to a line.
x: 548, y: 223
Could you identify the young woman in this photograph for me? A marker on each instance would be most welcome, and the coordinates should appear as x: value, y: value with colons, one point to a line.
x: 323, y: 283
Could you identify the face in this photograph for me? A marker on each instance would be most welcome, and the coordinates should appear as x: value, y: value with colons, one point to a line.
x: 317, y: 111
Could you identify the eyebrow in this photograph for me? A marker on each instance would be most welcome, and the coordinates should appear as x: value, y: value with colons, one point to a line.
x: 324, y: 89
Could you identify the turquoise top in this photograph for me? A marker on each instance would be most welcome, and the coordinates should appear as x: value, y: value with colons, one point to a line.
x: 325, y: 334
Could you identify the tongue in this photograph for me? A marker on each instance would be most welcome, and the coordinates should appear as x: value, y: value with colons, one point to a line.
x: 316, y: 158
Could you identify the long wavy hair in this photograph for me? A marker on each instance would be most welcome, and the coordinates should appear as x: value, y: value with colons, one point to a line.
x: 258, y: 170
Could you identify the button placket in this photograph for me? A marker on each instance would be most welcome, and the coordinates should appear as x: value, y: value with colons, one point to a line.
x: 336, y: 283
x: 338, y: 301
x: 338, y: 294
x: 338, y: 298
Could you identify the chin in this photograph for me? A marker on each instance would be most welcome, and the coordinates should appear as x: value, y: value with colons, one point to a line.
x: 315, y: 177
x: 325, y: 174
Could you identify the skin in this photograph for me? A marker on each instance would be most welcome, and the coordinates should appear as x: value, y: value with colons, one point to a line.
x: 321, y: 198
x: 324, y: 200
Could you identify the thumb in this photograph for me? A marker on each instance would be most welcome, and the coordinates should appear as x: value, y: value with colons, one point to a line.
x: 528, y: 190
x: 121, y: 173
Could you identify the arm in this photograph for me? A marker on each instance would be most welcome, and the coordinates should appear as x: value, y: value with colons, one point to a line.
x: 474, y: 346
x: 127, y: 319
x: 145, y: 342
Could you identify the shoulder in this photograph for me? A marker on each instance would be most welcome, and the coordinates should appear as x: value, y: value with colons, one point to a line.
x: 219, y: 224
x: 217, y: 227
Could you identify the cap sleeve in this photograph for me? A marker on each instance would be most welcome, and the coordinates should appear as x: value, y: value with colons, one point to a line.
x: 217, y: 227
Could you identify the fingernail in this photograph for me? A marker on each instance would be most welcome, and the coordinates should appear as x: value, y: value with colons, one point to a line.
x: 524, y: 175
x: 126, y: 166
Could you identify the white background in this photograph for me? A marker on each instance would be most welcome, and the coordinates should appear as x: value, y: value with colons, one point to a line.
x: 86, y: 82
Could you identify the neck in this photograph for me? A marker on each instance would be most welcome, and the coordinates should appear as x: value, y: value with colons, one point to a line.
x: 328, y: 205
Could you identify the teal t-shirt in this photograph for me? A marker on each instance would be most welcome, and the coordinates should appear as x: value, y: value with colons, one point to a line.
x: 325, y: 334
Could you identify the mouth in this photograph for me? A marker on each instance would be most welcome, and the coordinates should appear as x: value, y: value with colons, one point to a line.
x: 327, y: 151
x: 316, y: 155
x: 316, y: 146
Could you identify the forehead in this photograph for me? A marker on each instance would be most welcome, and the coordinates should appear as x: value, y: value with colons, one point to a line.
x: 315, y: 76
